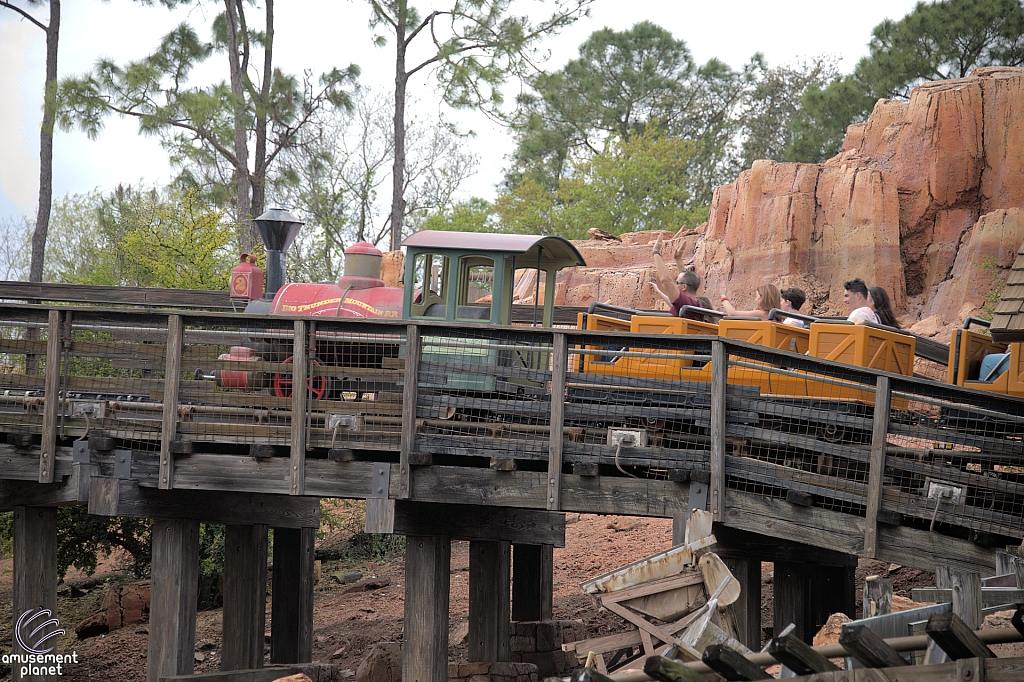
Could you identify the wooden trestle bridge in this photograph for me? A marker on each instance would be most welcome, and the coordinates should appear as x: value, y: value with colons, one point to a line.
x: 483, y: 433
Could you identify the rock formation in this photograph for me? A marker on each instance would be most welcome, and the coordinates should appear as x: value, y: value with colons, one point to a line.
x: 924, y: 199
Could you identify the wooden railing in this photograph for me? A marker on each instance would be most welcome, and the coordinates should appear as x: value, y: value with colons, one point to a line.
x: 841, y: 457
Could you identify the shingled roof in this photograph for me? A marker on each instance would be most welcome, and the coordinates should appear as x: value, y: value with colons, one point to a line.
x: 1008, y: 316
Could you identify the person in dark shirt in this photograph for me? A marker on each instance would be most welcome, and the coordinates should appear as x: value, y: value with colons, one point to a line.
x: 677, y: 291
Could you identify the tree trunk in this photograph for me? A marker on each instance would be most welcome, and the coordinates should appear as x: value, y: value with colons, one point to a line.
x: 398, y: 169
x: 259, y: 178
x: 35, y: 273
x: 243, y: 207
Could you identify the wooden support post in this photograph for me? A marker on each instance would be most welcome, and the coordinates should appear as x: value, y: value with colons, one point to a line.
x: 679, y: 527
x: 732, y: 665
x: 51, y: 408
x: 489, y: 564
x: 300, y: 373
x: 666, y: 670
x: 877, y: 597
x: 245, y: 596
x: 791, y: 651
x: 172, y: 377
x: 868, y: 648
x: 559, y: 366
x: 291, y: 606
x: 173, y: 595
x: 719, y: 381
x: 1010, y: 564
x: 956, y: 637
x: 409, y: 391
x: 791, y: 598
x: 35, y: 569
x: 876, y: 466
x: 747, y: 571
x: 427, y: 581
x: 830, y: 589
x: 967, y: 597
x: 532, y: 572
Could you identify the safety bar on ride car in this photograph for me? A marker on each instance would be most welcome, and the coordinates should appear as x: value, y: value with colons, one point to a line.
x: 809, y: 319
x: 976, y: 320
x: 607, y: 307
x: 703, y: 311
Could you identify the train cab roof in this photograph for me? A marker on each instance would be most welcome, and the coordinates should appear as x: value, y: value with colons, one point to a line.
x: 554, y: 253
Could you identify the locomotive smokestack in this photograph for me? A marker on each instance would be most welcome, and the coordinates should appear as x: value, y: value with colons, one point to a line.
x: 278, y: 228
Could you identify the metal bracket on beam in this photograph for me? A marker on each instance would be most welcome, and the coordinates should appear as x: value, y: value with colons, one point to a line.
x: 122, y: 463
x: 381, y: 482
x: 81, y: 452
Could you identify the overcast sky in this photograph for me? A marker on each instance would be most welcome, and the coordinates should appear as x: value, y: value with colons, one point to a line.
x: 320, y: 34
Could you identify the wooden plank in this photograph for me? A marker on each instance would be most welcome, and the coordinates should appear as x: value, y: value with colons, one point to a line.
x: 291, y: 606
x: 967, y: 597
x: 104, y: 295
x: 427, y: 580
x: 268, y: 674
x: 35, y: 572
x: 868, y: 648
x: 876, y: 468
x: 559, y: 366
x: 990, y: 596
x: 300, y: 398
x: 532, y: 586
x: 29, y: 493
x: 472, y: 522
x: 955, y: 637
x: 791, y: 583
x: 175, y: 583
x: 792, y: 652
x: 48, y: 448
x: 719, y: 380
x: 409, y: 388
x: 172, y: 375
x: 747, y: 571
x: 731, y: 665
x: 245, y: 596
x: 877, y: 597
x: 666, y: 670
x: 489, y: 606
x: 122, y: 497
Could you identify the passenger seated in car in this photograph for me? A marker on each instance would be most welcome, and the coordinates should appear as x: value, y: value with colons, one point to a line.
x: 792, y: 300
x: 679, y: 291
x: 856, y: 300
x: 766, y: 297
x: 879, y: 301
x: 993, y: 365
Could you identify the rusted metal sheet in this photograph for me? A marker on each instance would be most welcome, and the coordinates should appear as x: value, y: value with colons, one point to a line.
x: 649, y: 568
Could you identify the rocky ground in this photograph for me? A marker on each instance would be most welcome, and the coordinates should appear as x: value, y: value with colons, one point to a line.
x: 347, y: 625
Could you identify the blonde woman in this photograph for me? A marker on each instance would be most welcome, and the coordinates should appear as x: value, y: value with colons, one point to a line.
x: 766, y: 298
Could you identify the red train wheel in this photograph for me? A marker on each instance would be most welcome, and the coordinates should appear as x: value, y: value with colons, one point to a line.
x: 282, y: 383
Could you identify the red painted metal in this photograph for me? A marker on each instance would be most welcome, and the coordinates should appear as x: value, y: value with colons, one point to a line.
x: 238, y: 378
x: 331, y: 300
x: 246, y: 279
x: 282, y: 383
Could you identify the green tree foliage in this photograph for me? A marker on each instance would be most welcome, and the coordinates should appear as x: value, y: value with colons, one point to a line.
x: 140, y: 238
x: 622, y: 83
x: 208, y: 130
x: 936, y: 41
x: 774, y: 102
x: 638, y: 183
x: 477, y: 45
x: 472, y: 215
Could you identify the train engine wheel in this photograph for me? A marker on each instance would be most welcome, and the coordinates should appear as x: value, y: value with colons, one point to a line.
x: 281, y: 384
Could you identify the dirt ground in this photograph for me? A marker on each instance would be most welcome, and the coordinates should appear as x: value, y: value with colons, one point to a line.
x: 346, y: 626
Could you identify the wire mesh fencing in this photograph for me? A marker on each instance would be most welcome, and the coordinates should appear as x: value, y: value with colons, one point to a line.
x: 638, y: 406
x: 23, y: 367
x: 955, y: 463
x: 483, y: 397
